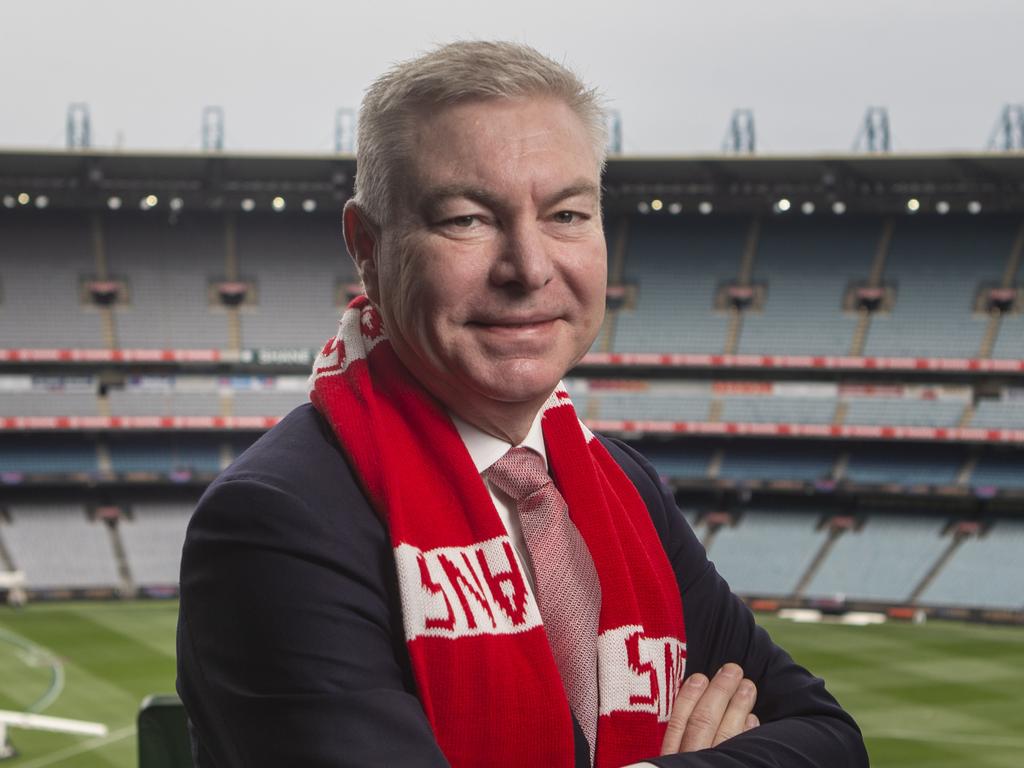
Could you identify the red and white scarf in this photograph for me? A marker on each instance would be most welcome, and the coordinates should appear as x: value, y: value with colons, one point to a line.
x: 483, y: 668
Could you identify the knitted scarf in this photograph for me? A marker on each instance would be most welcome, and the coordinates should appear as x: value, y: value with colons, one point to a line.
x: 484, y: 671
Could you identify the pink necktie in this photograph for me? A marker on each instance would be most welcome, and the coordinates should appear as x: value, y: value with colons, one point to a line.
x: 568, y: 589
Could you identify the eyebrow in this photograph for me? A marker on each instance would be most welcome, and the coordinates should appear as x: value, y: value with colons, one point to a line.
x: 439, y: 194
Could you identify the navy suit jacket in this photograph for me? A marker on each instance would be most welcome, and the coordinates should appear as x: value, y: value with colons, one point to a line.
x: 291, y: 649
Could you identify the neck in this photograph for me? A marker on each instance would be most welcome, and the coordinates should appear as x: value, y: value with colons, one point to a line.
x: 511, y: 423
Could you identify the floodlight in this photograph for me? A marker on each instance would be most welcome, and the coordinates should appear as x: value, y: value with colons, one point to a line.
x: 705, y: 207
x: 643, y: 207
x: 9, y: 201
x: 42, y: 201
x: 807, y: 207
x: 309, y: 205
x: 177, y: 203
x: 783, y: 205
x: 656, y: 204
x: 838, y: 207
x: 248, y: 204
x: 675, y: 208
x: 23, y: 198
x: 942, y: 207
x: 148, y: 202
x: 278, y: 203
x: 913, y: 205
x: 113, y: 202
x: 974, y: 207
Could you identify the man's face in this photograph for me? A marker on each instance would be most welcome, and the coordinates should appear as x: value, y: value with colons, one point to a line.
x: 491, y: 277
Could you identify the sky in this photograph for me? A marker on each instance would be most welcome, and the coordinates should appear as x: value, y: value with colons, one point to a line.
x: 674, y: 70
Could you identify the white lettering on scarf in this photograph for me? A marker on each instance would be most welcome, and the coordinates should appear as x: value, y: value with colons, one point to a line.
x: 463, y: 591
x: 639, y: 673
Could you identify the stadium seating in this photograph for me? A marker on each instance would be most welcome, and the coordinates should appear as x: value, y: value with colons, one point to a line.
x: 999, y: 414
x: 806, y: 265
x: 775, y: 461
x: 266, y: 403
x: 676, y: 268
x: 58, y: 547
x: 904, y: 412
x: 168, y: 267
x: 42, y: 261
x: 936, y: 264
x: 298, y: 265
x: 999, y: 470
x: 71, y: 454
x: 767, y: 551
x: 935, y: 465
x: 141, y: 403
x: 650, y: 406
x: 153, y: 537
x: 164, y: 455
x: 766, y: 408
x: 42, y: 403
x: 688, y: 460
x: 884, y: 561
x: 1010, y: 341
x: 984, y: 572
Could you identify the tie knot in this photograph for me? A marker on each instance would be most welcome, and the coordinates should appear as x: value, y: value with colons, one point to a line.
x: 519, y: 473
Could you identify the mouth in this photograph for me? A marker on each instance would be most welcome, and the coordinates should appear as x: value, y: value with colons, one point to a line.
x: 514, y: 324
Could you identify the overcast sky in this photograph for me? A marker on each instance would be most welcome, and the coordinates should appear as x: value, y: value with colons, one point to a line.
x: 674, y: 70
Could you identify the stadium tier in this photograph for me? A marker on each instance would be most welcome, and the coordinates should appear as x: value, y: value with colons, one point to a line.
x: 835, y: 399
x: 884, y: 560
x: 768, y: 551
x: 806, y: 267
x: 936, y: 265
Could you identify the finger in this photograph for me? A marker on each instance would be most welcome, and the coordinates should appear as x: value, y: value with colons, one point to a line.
x: 686, y: 699
x: 703, y: 722
x: 735, y: 717
x: 752, y: 722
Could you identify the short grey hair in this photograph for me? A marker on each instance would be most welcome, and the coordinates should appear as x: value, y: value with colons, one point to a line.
x: 451, y: 74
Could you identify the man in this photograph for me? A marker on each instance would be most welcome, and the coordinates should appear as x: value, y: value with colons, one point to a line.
x: 436, y: 563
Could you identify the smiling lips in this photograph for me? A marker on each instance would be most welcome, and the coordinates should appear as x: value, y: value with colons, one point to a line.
x: 515, y: 325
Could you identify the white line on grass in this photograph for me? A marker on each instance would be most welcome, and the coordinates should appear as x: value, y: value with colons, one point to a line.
x: 78, y: 749
x: 952, y: 738
x: 38, y: 653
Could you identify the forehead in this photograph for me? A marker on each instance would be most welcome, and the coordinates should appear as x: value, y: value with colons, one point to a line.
x: 506, y: 146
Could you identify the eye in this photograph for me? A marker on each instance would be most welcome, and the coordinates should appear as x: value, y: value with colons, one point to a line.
x: 568, y: 217
x: 462, y: 222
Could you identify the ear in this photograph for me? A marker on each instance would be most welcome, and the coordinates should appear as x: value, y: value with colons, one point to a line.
x: 361, y: 239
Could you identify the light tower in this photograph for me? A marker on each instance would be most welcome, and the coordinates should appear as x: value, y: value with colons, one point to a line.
x: 613, y: 125
x: 79, y: 126
x: 1008, y: 132
x: 213, y: 129
x: 345, y: 131
x: 740, y: 137
x: 874, y: 134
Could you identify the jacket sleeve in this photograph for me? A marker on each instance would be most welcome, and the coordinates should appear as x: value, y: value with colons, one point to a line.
x: 287, y: 641
x: 802, y: 724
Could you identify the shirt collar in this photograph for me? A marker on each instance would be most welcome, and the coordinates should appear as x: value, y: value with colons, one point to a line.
x: 486, y: 449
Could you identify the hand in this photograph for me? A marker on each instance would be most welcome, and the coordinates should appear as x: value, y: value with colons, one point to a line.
x: 706, y: 714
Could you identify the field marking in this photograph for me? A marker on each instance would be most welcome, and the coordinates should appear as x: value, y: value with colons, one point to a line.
x: 952, y: 738
x: 32, y: 654
x: 78, y: 749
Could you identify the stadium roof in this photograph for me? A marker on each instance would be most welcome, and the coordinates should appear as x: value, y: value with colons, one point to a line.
x: 741, y: 183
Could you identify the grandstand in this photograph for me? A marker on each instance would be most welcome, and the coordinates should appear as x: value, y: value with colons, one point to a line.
x: 835, y: 393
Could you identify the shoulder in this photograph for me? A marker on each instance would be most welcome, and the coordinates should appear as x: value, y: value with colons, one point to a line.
x: 292, y: 485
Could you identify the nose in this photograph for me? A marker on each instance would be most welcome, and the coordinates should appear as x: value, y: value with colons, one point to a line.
x: 526, y: 260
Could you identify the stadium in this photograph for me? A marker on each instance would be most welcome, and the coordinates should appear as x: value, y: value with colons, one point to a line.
x: 823, y: 356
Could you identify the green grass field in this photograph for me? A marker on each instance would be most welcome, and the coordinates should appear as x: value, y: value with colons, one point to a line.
x: 938, y: 695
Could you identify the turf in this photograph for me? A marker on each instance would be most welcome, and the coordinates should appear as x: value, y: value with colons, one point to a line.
x: 937, y: 695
